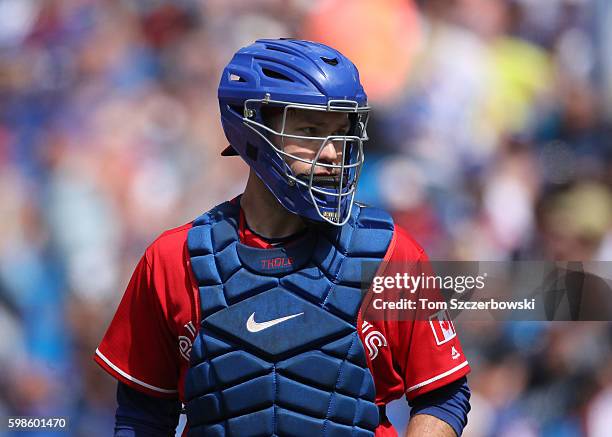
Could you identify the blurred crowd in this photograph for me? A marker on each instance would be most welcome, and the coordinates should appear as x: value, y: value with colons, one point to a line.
x: 491, y: 139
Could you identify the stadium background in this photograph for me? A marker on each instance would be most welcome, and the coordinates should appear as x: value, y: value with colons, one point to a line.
x: 490, y: 140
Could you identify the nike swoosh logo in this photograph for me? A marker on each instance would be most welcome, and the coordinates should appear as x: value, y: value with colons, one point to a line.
x: 253, y: 326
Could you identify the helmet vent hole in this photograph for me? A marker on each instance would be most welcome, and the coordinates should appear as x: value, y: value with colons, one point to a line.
x: 279, y: 49
x: 236, y: 78
x: 330, y: 61
x: 275, y: 74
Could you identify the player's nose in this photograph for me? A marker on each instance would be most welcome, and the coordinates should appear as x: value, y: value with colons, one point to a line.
x: 329, y: 154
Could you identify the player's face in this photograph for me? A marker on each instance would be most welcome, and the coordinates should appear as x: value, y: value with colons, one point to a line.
x: 312, y: 124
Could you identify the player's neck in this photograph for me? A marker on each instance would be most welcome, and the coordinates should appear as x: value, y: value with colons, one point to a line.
x: 264, y: 214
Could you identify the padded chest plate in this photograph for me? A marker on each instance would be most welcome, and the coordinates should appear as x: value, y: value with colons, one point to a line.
x: 278, y: 353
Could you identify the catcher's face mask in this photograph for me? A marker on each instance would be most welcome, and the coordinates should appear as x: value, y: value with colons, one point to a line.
x: 321, y: 148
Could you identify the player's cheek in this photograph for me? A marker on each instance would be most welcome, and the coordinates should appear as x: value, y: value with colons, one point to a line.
x: 299, y: 152
x: 299, y: 167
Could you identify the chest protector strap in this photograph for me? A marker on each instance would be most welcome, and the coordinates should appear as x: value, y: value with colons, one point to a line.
x: 278, y: 352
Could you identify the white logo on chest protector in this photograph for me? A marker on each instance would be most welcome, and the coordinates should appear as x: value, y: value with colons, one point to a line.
x: 253, y: 326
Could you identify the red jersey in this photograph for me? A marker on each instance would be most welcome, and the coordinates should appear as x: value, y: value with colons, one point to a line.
x: 405, y: 357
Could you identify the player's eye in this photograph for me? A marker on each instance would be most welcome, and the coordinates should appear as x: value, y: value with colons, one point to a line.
x: 308, y: 131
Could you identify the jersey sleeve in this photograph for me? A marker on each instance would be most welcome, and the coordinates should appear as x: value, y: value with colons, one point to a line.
x: 139, y: 348
x: 424, y: 346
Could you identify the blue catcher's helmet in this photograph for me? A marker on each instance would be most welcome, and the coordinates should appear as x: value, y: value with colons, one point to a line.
x: 294, y: 74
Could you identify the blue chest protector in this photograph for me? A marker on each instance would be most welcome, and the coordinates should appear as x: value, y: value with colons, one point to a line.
x: 278, y: 353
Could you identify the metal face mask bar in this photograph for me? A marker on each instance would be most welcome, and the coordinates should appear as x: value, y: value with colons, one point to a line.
x: 333, y: 205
